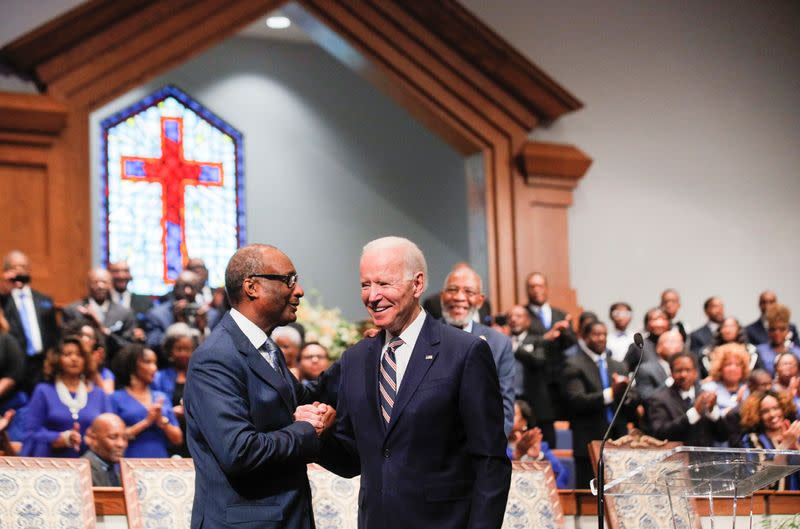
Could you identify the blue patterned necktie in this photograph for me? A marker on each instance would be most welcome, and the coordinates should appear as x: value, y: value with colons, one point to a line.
x: 26, y: 324
x: 268, y: 351
x: 604, y: 380
x: 388, y: 379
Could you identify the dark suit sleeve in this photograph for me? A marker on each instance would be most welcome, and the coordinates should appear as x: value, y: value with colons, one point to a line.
x: 505, y: 373
x: 217, y: 401
x: 536, y: 357
x: 481, y: 409
x: 580, y: 400
x: 664, y: 422
x: 339, y: 451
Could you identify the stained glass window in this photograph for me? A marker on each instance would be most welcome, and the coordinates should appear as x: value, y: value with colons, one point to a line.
x: 172, y: 188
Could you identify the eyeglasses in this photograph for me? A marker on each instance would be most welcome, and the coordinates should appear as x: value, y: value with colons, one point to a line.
x: 289, y: 279
x: 453, y: 290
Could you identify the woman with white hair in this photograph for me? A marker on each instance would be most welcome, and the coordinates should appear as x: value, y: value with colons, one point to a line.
x: 288, y: 339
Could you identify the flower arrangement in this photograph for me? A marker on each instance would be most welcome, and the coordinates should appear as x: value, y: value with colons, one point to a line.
x: 326, y: 326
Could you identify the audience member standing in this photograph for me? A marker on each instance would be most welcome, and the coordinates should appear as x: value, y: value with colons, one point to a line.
x: 180, y: 307
x: 31, y: 316
x: 778, y: 332
x: 151, y: 424
x: 654, y: 375
x: 180, y: 342
x: 314, y: 360
x: 715, y: 312
x: 728, y: 373
x: 671, y: 304
x: 115, y: 322
x: 593, y: 387
x: 682, y: 412
x: 620, y: 337
x: 533, y: 355
x: 730, y: 331
x: 288, y: 339
x: 555, y: 327
x: 461, y: 298
x: 757, y: 331
x: 769, y: 420
x: 120, y: 294
x: 63, y: 407
x: 12, y: 373
x: 656, y: 323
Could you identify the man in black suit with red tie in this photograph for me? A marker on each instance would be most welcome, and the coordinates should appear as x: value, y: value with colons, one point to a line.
x: 420, y: 411
x: 31, y: 316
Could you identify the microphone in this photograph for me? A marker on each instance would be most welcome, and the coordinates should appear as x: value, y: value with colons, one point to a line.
x: 600, y: 481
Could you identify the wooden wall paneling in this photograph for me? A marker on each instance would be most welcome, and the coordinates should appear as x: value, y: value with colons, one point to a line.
x: 550, y: 173
x: 167, y: 44
x: 440, y: 62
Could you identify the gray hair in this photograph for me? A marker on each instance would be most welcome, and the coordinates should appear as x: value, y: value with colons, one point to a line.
x: 287, y: 331
x: 413, y: 259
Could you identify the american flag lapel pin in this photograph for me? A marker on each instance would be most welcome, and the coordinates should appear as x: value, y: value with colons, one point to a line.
x: 428, y: 357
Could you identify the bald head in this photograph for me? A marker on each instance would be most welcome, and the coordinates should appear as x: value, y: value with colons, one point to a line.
x: 106, y: 437
x: 669, y: 343
x: 99, y: 283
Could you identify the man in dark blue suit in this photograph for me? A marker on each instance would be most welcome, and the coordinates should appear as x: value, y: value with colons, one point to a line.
x: 420, y: 410
x: 249, y: 439
x: 461, y: 298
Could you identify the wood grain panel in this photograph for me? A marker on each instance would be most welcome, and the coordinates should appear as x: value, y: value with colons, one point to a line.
x: 25, y: 209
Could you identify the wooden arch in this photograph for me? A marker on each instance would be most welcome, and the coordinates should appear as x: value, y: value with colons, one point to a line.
x: 435, y: 58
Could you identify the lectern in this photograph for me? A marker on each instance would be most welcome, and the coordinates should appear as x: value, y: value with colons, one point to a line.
x: 683, y: 473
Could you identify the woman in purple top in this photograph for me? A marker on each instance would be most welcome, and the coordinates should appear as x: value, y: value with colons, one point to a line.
x: 151, y: 424
x: 65, y: 405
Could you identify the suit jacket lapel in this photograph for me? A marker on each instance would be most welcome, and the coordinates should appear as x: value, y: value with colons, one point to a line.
x: 257, y: 363
x: 427, y: 346
x: 371, y: 367
x: 592, y: 371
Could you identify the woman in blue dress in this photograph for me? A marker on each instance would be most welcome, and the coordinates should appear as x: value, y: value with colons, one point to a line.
x: 151, y: 424
x: 769, y: 420
x: 62, y: 407
x: 180, y: 341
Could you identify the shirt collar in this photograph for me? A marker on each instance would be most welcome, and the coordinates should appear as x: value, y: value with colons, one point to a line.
x: 713, y: 326
x: 594, y: 356
x: 256, y: 336
x: 411, y: 333
x: 16, y: 292
x: 688, y: 393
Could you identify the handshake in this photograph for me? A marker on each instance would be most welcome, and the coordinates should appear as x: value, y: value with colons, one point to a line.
x: 319, y: 415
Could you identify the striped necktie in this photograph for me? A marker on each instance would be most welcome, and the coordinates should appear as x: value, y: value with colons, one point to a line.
x: 388, y: 379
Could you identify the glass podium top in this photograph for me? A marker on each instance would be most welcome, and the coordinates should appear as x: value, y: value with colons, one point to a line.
x: 692, y: 471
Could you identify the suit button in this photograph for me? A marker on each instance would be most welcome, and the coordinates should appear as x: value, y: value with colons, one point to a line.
x: 386, y: 453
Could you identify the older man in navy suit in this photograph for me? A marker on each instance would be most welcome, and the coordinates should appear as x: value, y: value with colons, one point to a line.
x: 462, y: 297
x: 249, y: 439
x: 420, y: 410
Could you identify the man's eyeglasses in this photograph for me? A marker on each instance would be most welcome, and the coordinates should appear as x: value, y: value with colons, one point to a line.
x: 289, y: 279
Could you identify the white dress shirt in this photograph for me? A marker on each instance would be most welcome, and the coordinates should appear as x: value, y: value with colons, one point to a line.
x: 30, y: 311
x: 619, y: 342
x: 403, y: 353
x: 256, y: 336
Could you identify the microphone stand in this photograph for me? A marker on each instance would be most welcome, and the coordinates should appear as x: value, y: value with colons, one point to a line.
x: 601, y: 467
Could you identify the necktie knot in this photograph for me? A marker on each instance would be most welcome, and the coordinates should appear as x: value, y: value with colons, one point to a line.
x: 394, y: 343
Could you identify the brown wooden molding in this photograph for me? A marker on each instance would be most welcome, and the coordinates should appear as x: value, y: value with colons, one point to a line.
x: 435, y: 58
x: 484, y: 48
x: 553, y: 164
x: 31, y: 114
x: 109, y: 501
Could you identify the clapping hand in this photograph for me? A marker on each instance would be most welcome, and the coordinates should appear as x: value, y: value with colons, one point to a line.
x: 529, y: 443
x: 557, y: 328
x: 154, y: 411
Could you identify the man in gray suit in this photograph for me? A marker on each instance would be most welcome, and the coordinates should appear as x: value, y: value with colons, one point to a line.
x: 654, y: 375
x: 115, y: 321
x: 461, y: 298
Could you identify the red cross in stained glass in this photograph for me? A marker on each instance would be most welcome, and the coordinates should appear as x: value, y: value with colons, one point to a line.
x: 174, y: 173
